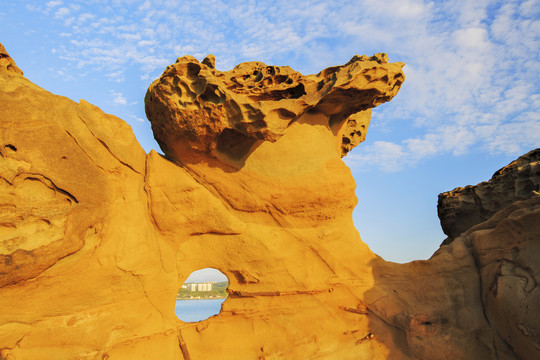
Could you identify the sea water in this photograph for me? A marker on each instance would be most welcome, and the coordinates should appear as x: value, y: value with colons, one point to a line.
x: 197, y: 310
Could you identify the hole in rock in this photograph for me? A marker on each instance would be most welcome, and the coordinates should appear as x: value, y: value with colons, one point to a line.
x: 11, y: 147
x: 201, y: 295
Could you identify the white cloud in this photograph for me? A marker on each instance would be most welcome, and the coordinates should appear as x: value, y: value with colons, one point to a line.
x: 530, y: 8
x: 470, y: 75
x: 147, y: 5
x: 388, y: 156
x: 117, y: 76
x: 53, y: 3
x: 31, y: 7
x: 118, y: 99
x: 146, y: 43
x: 61, y: 13
x: 136, y: 118
x: 469, y: 88
x: 398, y: 9
x: 472, y: 39
x: 150, y: 63
x: 517, y: 136
x: 469, y: 13
x: 86, y: 16
x: 129, y: 37
x: 65, y: 75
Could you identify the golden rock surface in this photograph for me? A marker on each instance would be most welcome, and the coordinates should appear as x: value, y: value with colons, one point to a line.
x: 7, y: 63
x: 194, y: 105
x: 96, y: 236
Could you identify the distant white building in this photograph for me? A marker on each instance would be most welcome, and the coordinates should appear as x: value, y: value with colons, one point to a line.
x: 207, y: 286
x: 204, y: 287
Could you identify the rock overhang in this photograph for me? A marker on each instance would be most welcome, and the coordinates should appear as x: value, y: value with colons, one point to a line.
x: 194, y: 107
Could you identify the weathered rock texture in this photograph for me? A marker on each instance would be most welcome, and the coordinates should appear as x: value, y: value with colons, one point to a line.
x: 464, y: 207
x: 499, y: 220
x: 6, y: 62
x: 96, y: 236
x: 193, y: 105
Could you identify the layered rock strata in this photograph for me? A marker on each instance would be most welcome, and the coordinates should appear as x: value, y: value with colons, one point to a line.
x: 465, y: 207
x: 96, y: 237
x: 499, y: 221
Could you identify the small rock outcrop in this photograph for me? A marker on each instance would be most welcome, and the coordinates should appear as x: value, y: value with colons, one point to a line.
x: 97, y: 237
x: 464, y: 207
x: 355, y: 131
x: 7, y: 63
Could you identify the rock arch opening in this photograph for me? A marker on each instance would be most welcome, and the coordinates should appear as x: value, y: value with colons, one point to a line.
x: 201, y: 295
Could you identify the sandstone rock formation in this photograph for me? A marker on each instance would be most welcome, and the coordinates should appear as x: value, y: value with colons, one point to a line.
x: 96, y: 236
x: 462, y: 208
x: 194, y: 106
x: 499, y: 221
x: 480, y: 289
x: 6, y: 62
x: 355, y: 131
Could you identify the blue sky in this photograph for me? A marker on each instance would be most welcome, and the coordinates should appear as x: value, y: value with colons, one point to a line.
x: 470, y: 103
x: 206, y: 274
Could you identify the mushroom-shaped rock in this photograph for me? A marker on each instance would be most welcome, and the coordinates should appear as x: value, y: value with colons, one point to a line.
x: 192, y: 104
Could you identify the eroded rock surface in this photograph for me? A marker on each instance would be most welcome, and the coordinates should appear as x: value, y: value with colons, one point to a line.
x: 499, y: 220
x: 96, y: 237
x: 464, y: 207
x: 355, y: 131
x: 7, y: 63
x: 193, y: 105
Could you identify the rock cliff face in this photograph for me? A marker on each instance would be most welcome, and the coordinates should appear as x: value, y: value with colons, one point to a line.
x: 462, y: 208
x: 96, y: 237
x: 499, y: 220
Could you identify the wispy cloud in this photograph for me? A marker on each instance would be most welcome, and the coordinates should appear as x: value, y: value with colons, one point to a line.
x: 137, y: 119
x: 469, y: 87
x: 471, y: 74
x: 53, y: 3
x: 62, y: 13
x: 117, y: 76
x: 118, y: 98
